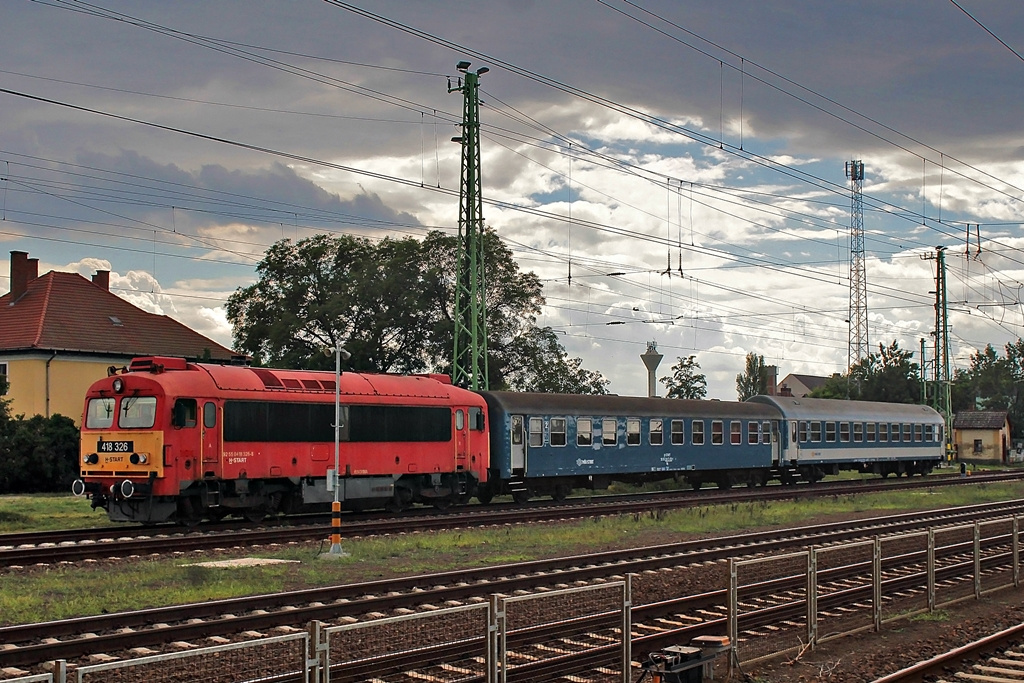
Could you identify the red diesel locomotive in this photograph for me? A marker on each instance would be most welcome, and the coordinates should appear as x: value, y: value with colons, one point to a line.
x: 169, y: 440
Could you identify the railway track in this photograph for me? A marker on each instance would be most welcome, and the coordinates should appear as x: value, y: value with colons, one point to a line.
x: 25, y: 549
x: 678, y: 594
x: 998, y: 658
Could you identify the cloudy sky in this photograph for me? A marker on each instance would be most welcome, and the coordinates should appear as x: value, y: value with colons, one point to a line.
x: 683, y: 160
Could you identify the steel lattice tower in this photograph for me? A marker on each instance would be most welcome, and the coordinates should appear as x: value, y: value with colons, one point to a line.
x: 858, y: 341
x: 469, y: 357
x: 941, y: 396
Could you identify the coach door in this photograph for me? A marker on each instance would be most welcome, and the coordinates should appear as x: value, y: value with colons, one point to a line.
x: 211, y: 441
x: 793, y: 446
x: 518, y: 443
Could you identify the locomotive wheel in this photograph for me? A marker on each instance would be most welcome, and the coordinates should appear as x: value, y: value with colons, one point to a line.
x: 442, y: 503
x: 485, y: 495
x: 254, y: 515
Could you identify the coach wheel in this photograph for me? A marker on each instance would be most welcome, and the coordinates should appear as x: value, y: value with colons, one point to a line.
x: 562, y: 492
x: 695, y: 484
x: 724, y: 483
x: 521, y: 496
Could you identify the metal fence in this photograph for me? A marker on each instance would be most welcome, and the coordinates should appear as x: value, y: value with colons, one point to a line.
x: 856, y: 586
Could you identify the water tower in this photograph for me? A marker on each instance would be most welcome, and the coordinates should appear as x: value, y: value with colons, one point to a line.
x: 651, y: 359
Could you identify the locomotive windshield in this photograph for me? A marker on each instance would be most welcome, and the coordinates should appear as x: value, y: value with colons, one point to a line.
x: 137, y: 412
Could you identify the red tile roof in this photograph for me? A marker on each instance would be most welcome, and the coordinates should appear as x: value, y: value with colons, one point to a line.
x: 66, y: 312
x: 980, y: 419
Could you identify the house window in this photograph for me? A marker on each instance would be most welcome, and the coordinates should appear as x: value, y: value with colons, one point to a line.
x: 656, y: 435
x: 584, y: 431
x: 977, y: 446
x: 3, y: 378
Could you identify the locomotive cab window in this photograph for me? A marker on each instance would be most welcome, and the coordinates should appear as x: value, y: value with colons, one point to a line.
x: 697, y: 433
x: 632, y: 431
x: 184, y: 414
x: 608, y: 435
x: 679, y: 432
x: 557, y: 431
x: 100, y: 413
x: 584, y: 432
x: 137, y: 412
x: 536, y: 431
x: 656, y: 437
x: 476, y: 420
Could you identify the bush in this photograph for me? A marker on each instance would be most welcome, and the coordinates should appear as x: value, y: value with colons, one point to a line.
x: 37, y: 454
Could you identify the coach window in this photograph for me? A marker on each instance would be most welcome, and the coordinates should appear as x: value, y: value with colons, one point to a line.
x: 803, y: 432
x: 632, y: 431
x: 209, y: 415
x: 100, y: 413
x: 608, y: 435
x: 858, y: 431
x: 844, y: 432
x: 871, y: 426
x: 766, y: 432
x: 558, y: 431
x: 918, y: 432
x: 655, y: 434
x: 929, y: 433
x: 460, y: 420
x: 697, y: 432
x: 736, y: 433
x: 894, y: 432
x: 584, y: 432
x: 830, y: 432
x: 883, y: 431
x: 717, y: 432
x: 753, y: 432
x: 816, y: 431
x: 679, y: 432
x: 908, y: 431
x: 536, y: 431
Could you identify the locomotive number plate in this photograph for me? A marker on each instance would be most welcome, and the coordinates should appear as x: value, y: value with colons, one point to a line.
x: 115, y: 446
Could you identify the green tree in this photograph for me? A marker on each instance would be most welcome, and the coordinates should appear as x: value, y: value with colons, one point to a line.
x: 754, y: 379
x: 992, y: 382
x: 686, y: 380
x: 390, y: 304
x: 890, y: 376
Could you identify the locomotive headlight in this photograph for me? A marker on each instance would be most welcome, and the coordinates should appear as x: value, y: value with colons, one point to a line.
x: 137, y: 458
x: 118, y: 385
x: 92, y: 459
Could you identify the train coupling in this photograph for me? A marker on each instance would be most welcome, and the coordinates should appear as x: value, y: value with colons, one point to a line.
x: 693, y: 663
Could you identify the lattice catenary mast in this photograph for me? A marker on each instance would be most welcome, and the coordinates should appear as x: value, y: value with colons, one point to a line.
x: 469, y: 358
x: 858, y: 341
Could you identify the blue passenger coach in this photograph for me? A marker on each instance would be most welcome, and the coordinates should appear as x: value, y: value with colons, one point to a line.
x: 823, y: 436
x: 548, y: 444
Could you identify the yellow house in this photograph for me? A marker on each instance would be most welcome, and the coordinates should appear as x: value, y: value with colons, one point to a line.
x: 982, y: 435
x: 60, y: 332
